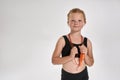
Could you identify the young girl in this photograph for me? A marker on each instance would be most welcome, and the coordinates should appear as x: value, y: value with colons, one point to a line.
x: 74, y: 51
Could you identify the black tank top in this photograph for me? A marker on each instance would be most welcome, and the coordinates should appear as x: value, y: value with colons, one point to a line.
x: 67, y: 48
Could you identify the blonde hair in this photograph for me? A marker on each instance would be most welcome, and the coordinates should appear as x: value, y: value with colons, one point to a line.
x: 76, y: 10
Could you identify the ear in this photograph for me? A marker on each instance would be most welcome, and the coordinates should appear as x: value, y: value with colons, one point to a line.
x: 84, y: 23
x: 68, y: 22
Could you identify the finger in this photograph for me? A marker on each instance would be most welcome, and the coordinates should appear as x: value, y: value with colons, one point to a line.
x: 84, y: 51
x: 82, y: 46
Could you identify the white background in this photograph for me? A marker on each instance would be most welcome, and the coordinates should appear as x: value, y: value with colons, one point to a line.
x: 29, y: 30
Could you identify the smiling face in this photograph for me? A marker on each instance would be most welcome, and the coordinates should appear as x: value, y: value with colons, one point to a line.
x: 76, y: 21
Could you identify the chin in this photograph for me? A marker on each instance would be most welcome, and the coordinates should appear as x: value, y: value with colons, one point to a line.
x: 76, y: 30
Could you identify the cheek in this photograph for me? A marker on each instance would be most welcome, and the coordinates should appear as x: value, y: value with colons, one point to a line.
x: 82, y: 24
x: 70, y: 24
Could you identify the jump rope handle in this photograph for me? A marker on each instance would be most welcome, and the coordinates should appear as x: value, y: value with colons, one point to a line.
x: 82, y: 57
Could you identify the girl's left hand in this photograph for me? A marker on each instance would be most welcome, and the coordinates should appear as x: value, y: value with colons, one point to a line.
x: 83, y: 49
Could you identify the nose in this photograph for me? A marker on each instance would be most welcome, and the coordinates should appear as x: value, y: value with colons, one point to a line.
x: 76, y: 22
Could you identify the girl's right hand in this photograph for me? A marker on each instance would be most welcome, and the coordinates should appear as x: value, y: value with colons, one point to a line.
x: 73, y: 52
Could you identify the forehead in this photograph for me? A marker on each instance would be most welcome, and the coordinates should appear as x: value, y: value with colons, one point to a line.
x: 76, y: 15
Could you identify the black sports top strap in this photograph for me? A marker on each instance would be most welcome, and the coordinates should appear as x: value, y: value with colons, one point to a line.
x: 78, y: 49
x: 66, y: 39
x: 85, y: 41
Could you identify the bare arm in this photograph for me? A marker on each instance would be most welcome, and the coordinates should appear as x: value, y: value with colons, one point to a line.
x: 89, y: 60
x: 56, y: 58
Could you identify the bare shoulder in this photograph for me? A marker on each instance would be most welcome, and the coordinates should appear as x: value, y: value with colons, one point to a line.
x: 89, y: 43
x: 61, y: 41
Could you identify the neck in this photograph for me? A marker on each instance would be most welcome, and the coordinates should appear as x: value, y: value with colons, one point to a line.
x: 75, y: 37
x: 75, y: 34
